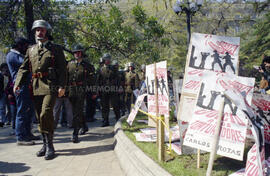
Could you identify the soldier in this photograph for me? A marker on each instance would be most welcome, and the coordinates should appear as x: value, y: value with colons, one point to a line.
x: 46, y: 62
x: 80, y: 77
x: 118, y: 89
x: 142, y: 74
x: 132, y: 82
x: 106, y: 81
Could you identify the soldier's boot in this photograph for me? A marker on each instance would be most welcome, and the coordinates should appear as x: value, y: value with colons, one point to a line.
x: 74, y: 137
x: 50, y: 153
x: 84, y: 129
x: 42, y: 151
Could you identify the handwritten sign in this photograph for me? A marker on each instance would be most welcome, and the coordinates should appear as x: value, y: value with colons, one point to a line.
x: 162, y: 84
x: 206, y: 52
x: 201, y: 128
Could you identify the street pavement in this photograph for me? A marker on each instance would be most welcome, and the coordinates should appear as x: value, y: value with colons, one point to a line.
x: 92, y: 156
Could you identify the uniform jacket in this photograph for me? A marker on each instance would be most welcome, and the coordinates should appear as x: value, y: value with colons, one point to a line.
x: 38, y: 61
x: 81, y: 78
x: 108, y: 80
x: 132, y: 81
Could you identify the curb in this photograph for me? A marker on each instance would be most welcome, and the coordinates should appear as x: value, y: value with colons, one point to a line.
x: 132, y: 160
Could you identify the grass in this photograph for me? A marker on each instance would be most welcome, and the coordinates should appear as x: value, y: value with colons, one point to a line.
x: 184, y: 165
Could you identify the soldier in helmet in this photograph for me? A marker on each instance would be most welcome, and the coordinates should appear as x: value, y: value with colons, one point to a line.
x: 142, y: 74
x: 107, y: 80
x: 132, y: 82
x: 81, y: 75
x: 46, y: 61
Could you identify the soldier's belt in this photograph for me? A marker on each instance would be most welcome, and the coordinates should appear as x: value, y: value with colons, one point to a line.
x: 39, y: 74
x: 76, y: 83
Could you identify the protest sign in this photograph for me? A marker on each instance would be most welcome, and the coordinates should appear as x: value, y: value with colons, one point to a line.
x: 240, y: 100
x: 162, y: 87
x: 134, y: 110
x: 137, y: 93
x: 206, y: 52
x: 261, y: 104
x: 201, y: 128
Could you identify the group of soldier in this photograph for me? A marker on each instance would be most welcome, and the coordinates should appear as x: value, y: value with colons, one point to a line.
x: 52, y: 77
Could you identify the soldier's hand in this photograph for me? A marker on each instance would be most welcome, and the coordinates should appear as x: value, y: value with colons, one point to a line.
x: 16, y: 90
x: 61, y: 92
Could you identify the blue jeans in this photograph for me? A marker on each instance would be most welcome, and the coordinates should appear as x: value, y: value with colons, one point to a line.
x: 25, y: 109
x: 2, y: 107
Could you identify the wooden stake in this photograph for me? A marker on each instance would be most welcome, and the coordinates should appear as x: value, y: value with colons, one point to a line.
x: 216, y: 139
x: 161, y: 148
x: 198, y: 158
x: 156, y: 98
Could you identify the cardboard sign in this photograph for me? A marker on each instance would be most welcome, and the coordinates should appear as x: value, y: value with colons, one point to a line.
x: 163, y: 92
x: 261, y: 104
x: 206, y: 52
x: 134, y: 110
x: 239, y: 99
x: 201, y: 128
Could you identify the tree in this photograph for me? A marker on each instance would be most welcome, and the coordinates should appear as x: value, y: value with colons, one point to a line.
x: 257, y: 42
x: 108, y: 31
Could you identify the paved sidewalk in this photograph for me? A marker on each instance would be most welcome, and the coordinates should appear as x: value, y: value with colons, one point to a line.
x: 93, y: 156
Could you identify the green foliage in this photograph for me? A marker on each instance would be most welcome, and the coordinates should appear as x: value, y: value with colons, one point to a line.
x: 107, y: 30
x: 256, y: 42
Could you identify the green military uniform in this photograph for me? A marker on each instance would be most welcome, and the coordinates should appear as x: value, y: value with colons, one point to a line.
x: 108, y: 82
x: 48, y: 67
x: 122, y: 92
x: 80, y: 77
x: 132, y: 82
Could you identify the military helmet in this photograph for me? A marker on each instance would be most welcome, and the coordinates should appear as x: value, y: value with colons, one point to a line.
x: 115, y: 63
x: 77, y: 47
x: 106, y: 56
x: 131, y: 64
x: 41, y: 23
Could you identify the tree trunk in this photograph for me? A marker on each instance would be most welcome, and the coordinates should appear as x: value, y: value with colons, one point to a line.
x: 29, y: 19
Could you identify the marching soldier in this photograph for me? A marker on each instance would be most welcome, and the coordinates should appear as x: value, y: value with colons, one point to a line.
x: 118, y: 89
x: 46, y: 62
x: 80, y: 77
x: 132, y: 82
x: 105, y: 80
x: 142, y: 74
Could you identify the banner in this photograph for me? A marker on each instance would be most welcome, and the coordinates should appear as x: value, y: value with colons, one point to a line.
x: 206, y: 52
x: 261, y: 105
x: 258, y: 150
x: 162, y: 85
x: 134, y: 110
x: 202, y: 126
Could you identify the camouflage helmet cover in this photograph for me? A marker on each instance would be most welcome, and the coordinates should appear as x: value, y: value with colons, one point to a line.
x: 42, y: 24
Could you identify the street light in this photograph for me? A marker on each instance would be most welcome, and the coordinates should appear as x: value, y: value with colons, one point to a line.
x: 190, y: 8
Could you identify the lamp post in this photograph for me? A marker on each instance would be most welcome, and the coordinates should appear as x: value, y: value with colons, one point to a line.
x: 189, y: 8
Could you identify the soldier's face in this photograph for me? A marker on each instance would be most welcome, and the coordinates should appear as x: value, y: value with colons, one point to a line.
x: 41, y: 33
x: 78, y: 54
